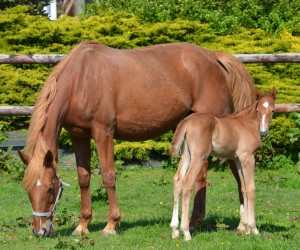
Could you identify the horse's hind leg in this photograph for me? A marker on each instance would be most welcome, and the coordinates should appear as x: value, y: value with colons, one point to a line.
x: 234, y: 170
x: 82, y: 153
x: 198, y: 213
x: 105, y: 149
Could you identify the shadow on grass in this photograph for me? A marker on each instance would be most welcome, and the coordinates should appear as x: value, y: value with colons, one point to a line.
x: 211, y: 224
x: 214, y: 223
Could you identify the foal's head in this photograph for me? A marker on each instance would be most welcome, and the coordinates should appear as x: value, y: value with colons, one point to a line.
x: 43, y: 193
x: 265, y: 107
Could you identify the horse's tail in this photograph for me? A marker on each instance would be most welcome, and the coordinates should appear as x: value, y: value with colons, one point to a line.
x: 241, y: 84
x: 179, y: 138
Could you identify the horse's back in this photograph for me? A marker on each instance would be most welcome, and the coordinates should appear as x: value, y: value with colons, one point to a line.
x: 143, y: 92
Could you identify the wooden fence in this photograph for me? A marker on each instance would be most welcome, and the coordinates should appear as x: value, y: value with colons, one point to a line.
x: 55, y: 58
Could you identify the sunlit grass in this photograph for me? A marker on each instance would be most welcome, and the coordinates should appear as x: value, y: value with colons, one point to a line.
x: 146, y: 200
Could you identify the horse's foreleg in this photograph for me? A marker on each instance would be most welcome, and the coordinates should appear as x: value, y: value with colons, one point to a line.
x: 198, y: 213
x: 105, y: 148
x: 234, y: 170
x: 248, y: 172
x: 82, y: 153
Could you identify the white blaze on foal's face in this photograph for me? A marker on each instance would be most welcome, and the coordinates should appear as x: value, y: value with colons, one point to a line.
x: 263, y: 120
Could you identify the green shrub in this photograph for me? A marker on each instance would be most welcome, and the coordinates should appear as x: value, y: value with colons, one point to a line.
x: 219, y: 29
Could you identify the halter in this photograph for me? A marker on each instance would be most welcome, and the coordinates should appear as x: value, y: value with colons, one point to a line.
x: 50, y: 214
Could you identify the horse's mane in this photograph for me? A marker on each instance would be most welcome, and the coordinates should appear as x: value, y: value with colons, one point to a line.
x: 36, y: 146
x: 241, y: 84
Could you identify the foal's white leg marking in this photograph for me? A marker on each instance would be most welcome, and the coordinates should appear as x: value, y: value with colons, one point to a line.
x: 241, y: 227
x: 175, y: 221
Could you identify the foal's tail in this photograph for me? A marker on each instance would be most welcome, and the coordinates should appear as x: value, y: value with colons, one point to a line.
x: 179, y: 138
x: 241, y: 84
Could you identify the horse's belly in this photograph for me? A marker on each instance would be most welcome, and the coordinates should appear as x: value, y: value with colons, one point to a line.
x: 142, y: 127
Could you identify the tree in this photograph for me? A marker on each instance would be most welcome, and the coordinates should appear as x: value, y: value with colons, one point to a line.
x: 36, y: 5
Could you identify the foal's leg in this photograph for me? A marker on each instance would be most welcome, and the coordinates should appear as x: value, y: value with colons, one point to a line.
x: 188, y: 183
x: 183, y: 167
x: 82, y: 153
x: 105, y: 148
x: 234, y: 170
x: 198, y: 213
x: 177, y: 188
x: 248, y: 173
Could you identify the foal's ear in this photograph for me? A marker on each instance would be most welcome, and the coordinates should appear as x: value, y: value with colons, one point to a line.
x: 274, y: 92
x: 258, y: 94
x: 24, y: 157
x: 48, y: 160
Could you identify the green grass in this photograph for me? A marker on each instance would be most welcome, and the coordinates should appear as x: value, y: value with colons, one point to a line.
x: 146, y: 200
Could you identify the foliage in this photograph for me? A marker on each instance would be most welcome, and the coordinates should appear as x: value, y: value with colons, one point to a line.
x: 281, y: 141
x: 21, y: 33
x: 224, y: 16
x: 9, y: 163
x: 36, y: 7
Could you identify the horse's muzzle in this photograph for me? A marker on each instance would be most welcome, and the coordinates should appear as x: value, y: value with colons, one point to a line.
x: 44, y: 232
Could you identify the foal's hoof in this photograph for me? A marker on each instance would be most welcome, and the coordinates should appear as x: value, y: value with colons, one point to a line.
x: 80, y: 230
x: 175, y: 233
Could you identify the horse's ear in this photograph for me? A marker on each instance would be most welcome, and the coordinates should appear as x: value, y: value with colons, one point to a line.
x: 48, y: 160
x: 257, y: 94
x: 24, y: 157
x: 274, y: 92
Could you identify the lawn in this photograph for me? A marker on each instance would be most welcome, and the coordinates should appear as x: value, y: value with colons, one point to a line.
x: 146, y: 200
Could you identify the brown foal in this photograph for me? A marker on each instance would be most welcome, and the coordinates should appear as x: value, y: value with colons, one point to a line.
x: 235, y: 137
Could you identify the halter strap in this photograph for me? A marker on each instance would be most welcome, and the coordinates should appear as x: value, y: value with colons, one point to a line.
x: 49, y: 214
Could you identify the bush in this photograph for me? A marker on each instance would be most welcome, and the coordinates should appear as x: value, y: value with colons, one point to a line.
x: 21, y: 33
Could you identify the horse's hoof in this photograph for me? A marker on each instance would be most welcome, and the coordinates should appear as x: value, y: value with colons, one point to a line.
x: 187, y: 236
x: 175, y: 233
x: 241, y: 229
x: 80, y: 231
x: 254, y: 231
x: 108, y: 232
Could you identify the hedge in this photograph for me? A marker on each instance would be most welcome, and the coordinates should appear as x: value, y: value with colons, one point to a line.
x: 21, y: 33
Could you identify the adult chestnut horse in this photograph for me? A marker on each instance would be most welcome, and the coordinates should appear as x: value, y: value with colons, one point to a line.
x: 104, y: 93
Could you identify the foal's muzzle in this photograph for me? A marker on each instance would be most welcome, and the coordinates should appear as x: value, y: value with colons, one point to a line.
x: 264, y: 134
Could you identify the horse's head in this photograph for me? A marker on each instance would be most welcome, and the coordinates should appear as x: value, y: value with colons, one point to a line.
x: 44, y: 194
x: 265, y: 107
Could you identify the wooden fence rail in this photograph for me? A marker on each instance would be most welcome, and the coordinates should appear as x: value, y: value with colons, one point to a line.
x: 55, y: 58
x: 27, y: 110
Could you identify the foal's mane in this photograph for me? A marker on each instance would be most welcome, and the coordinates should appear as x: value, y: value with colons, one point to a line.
x: 241, y: 84
x: 245, y: 110
x: 36, y: 145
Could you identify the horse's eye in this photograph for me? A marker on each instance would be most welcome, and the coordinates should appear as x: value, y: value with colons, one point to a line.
x: 50, y: 190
